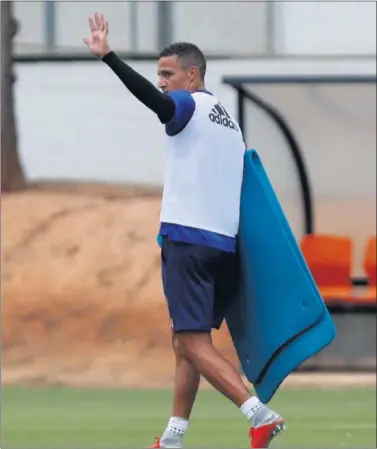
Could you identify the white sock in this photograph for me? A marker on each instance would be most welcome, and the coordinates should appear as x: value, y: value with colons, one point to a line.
x: 174, y: 432
x: 250, y: 408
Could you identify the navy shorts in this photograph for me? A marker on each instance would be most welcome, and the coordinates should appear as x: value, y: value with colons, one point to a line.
x: 199, y: 284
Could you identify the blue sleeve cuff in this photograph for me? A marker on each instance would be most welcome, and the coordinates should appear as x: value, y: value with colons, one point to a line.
x: 184, y: 109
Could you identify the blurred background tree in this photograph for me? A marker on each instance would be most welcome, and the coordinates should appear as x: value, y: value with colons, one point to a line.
x: 12, y: 176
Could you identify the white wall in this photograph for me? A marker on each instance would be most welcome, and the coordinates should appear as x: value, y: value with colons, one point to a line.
x: 72, y: 24
x: 326, y: 28
x: 30, y: 16
x: 238, y: 28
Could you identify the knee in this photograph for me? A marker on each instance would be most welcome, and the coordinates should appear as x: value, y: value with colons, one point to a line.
x: 190, y: 345
x: 175, y: 343
x: 177, y: 346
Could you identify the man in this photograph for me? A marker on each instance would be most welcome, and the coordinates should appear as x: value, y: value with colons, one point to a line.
x: 199, y: 224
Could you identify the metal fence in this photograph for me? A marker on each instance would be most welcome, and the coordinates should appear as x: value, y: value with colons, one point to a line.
x: 57, y: 27
x: 227, y: 28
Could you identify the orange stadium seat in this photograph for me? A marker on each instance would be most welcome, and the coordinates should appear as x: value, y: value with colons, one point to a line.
x: 370, y: 260
x: 370, y: 270
x: 329, y: 258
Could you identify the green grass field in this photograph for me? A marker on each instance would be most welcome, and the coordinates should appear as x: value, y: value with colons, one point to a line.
x: 65, y: 418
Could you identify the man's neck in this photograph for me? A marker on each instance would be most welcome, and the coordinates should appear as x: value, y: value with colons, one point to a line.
x: 198, y: 88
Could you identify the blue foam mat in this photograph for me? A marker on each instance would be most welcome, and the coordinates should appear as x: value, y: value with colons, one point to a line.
x: 279, y: 318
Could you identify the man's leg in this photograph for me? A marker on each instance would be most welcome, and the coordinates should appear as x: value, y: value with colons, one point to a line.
x: 222, y: 375
x: 186, y: 384
x: 198, y: 349
x: 190, y: 274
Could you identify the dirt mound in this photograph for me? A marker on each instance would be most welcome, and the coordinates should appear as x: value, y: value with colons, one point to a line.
x: 82, y: 301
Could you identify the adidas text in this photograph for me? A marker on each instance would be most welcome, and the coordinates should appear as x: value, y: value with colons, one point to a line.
x: 221, y: 117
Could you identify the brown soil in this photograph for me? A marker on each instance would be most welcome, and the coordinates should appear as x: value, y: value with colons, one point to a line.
x: 82, y: 300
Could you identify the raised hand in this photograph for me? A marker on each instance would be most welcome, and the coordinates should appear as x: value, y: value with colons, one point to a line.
x: 99, y: 28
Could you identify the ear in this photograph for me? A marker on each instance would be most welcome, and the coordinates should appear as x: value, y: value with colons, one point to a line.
x: 193, y: 72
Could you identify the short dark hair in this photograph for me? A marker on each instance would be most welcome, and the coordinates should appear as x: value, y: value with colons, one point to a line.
x: 188, y: 54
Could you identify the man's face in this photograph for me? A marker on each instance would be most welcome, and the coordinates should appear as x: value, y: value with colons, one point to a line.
x: 172, y: 76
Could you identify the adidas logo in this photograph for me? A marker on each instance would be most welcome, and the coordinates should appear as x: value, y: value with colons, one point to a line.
x: 221, y: 117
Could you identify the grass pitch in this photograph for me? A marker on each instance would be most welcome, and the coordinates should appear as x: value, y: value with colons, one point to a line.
x: 87, y: 418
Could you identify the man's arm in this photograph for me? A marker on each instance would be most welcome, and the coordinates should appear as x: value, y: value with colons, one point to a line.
x: 161, y: 104
x: 174, y: 109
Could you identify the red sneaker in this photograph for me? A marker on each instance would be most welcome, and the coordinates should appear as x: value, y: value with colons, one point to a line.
x: 262, y: 435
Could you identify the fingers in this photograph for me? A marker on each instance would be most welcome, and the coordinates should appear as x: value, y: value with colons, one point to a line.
x: 87, y: 41
x: 99, y: 23
x: 91, y: 25
x: 102, y: 22
x: 97, y: 20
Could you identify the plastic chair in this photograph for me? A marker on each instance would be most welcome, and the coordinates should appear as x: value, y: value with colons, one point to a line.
x: 370, y: 267
x: 329, y: 258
